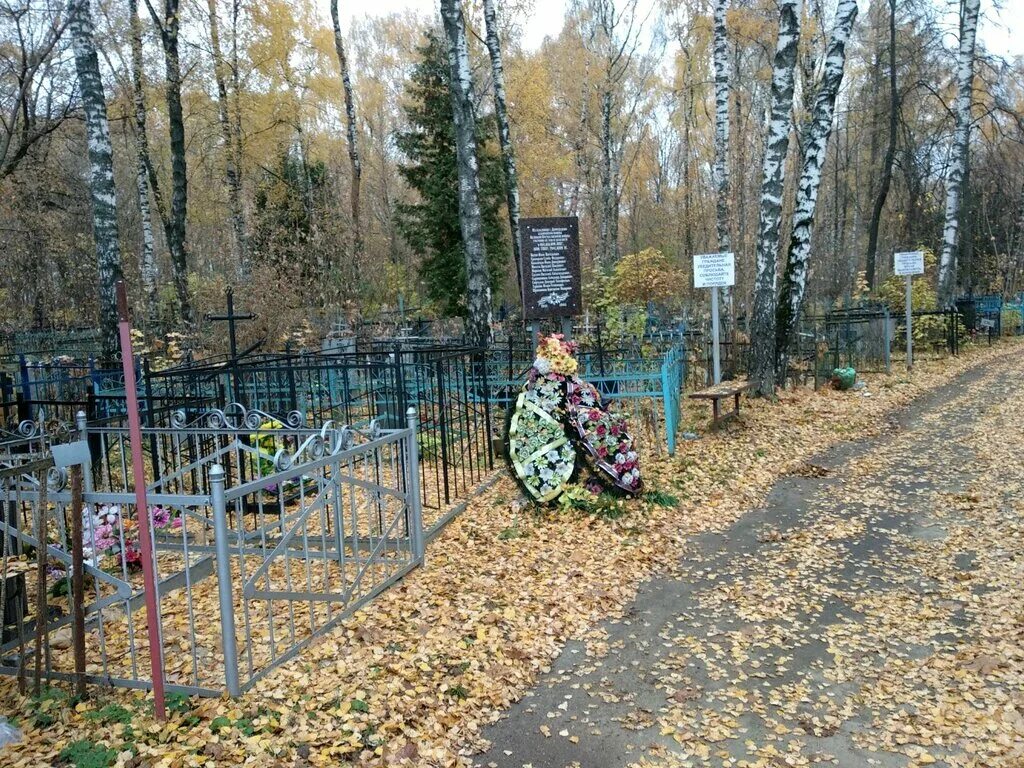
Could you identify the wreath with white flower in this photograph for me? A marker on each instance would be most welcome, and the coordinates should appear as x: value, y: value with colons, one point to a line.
x: 542, y: 456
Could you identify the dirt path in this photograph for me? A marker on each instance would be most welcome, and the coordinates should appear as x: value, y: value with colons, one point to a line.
x: 871, y: 614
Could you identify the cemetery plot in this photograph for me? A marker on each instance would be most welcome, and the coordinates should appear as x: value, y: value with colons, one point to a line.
x: 309, y: 535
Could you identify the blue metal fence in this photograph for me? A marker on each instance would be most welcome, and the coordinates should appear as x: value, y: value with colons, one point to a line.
x: 618, y: 374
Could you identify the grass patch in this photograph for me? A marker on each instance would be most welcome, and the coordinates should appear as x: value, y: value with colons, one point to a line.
x: 660, y: 498
x: 111, y: 713
x: 512, y: 532
x: 86, y: 754
x: 458, y: 692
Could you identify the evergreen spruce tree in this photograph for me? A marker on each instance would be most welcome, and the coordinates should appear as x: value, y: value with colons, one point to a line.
x: 431, y: 225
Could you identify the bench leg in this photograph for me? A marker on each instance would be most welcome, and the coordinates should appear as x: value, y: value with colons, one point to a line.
x: 716, y: 410
x: 737, y: 403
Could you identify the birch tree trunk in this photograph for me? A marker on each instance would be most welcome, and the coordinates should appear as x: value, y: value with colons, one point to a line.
x: 762, y: 339
x: 478, y: 284
x: 815, y: 144
x: 721, y: 167
x: 350, y: 127
x: 720, y: 172
x: 101, y: 170
x: 142, y: 166
x: 232, y: 161
x: 890, y: 155
x: 607, y: 247
x: 508, y: 155
x: 168, y: 27
x: 958, y: 160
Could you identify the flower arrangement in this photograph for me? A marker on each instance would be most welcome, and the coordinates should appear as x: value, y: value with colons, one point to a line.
x: 604, y: 435
x: 267, y: 444
x: 107, y: 533
x: 542, y: 457
x: 555, y: 356
x: 558, y: 414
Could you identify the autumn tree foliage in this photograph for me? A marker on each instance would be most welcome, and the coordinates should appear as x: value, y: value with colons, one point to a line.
x: 231, y: 133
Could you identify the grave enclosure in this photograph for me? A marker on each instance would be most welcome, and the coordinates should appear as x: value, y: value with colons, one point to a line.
x: 272, y: 536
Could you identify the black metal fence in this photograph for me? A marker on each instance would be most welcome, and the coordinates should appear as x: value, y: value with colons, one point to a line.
x: 447, y: 385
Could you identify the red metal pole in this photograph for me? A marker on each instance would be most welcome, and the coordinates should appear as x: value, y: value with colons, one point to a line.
x: 156, y: 656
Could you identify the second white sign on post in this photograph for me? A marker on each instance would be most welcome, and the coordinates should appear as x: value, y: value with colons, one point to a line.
x: 907, y: 264
x: 714, y: 271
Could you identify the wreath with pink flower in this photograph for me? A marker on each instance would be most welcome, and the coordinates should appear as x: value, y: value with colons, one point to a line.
x: 558, y: 416
x: 603, y: 435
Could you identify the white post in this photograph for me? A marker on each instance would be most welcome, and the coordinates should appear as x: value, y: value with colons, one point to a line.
x: 224, y: 586
x: 715, y: 352
x: 910, y: 330
x: 715, y: 271
x: 413, y: 501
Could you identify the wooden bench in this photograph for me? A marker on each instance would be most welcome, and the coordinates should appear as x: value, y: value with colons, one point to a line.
x: 719, y: 393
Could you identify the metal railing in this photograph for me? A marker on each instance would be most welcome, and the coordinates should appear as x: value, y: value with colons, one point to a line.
x: 262, y: 541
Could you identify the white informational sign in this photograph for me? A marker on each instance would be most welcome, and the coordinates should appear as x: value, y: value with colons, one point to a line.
x: 908, y: 263
x: 986, y: 322
x: 714, y: 270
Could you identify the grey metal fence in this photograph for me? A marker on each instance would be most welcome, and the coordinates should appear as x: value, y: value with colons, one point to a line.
x: 264, y: 536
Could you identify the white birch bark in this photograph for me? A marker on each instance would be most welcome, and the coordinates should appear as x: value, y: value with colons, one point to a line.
x: 148, y: 268
x: 351, y: 131
x: 720, y: 171
x: 478, y: 284
x: 721, y: 168
x: 608, y: 244
x: 508, y: 154
x: 780, y: 123
x: 815, y: 143
x: 101, y: 170
x: 958, y: 160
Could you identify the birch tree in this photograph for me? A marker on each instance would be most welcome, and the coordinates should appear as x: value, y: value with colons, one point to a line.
x: 816, y: 134
x: 478, y: 284
x: 101, y: 170
x: 762, y: 337
x: 508, y: 156
x: 168, y: 25
x: 958, y: 159
x: 721, y: 167
x: 142, y: 167
x: 232, y: 158
x: 350, y: 131
x: 614, y: 34
x: 720, y: 171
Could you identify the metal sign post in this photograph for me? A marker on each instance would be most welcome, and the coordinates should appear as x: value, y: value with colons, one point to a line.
x: 716, y: 354
x: 908, y: 264
x: 714, y: 271
x: 156, y: 656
